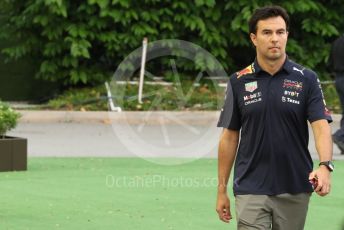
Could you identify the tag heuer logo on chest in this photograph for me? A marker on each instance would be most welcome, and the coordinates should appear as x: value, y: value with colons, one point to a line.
x: 251, y: 86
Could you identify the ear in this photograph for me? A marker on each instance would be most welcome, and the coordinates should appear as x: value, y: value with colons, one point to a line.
x: 253, y: 39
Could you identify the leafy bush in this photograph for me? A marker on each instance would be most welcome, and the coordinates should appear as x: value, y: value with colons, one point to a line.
x: 8, y: 118
x: 85, y: 99
x: 332, y: 98
x: 156, y: 97
x: 82, y: 42
x: 176, y: 97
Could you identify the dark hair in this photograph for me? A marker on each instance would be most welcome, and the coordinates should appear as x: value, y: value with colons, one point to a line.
x: 265, y: 13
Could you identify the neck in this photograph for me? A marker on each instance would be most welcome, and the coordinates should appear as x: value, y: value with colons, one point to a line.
x: 271, y: 66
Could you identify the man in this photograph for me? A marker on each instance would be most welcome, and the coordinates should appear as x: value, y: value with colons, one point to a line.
x: 272, y: 99
x: 337, y: 66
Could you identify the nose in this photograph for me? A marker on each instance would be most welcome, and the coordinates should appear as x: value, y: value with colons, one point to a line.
x: 274, y: 37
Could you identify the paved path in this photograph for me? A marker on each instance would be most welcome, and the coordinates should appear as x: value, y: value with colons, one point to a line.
x: 130, y: 134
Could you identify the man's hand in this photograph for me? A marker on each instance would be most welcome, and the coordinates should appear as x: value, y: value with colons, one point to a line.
x: 223, y: 207
x: 226, y: 154
x: 323, y: 144
x: 322, y: 176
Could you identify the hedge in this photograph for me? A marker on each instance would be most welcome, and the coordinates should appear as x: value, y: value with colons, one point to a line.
x: 83, y: 41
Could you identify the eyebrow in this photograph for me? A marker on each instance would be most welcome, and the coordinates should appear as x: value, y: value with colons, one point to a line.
x: 269, y: 30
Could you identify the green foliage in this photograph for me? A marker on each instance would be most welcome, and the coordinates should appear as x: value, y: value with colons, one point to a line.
x: 83, y: 42
x: 182, y: 96
x: 85, y: 99
x: 332, y: 98
x: 8, y: 118
x: 178, y: 96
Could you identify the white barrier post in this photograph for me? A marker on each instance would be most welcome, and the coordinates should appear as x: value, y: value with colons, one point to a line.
x: 109, y: 95
x: 142, y: 72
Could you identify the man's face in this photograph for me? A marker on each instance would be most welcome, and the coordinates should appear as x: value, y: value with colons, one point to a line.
x: 271, y: 38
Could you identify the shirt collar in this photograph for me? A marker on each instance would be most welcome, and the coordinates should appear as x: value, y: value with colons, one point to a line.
x: 287, y: 66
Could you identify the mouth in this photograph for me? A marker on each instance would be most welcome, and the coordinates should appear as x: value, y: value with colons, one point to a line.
x: 274, y: 49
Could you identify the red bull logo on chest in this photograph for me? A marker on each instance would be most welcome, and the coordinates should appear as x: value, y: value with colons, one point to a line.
x: 294, y: 85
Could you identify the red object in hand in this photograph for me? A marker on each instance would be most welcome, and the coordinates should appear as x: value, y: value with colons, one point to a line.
x: 314, y: 183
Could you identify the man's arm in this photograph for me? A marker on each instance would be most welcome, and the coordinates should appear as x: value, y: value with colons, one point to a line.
x: 226, y: 154
x: 323, y: 144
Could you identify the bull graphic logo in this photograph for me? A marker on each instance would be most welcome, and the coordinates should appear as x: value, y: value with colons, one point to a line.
x: 293, y: 85
x: 249, y: 69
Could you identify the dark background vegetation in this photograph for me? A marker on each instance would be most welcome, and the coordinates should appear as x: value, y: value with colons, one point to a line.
x: 81, y: 43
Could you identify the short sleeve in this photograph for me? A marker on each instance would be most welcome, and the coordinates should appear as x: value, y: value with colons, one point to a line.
x: 316, y: 105
x: 230, y: 117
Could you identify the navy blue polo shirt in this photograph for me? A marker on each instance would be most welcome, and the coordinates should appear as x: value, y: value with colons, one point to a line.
x: 272, y: 113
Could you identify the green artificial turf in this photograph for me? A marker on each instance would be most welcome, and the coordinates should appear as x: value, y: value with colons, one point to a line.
x: 130, y: 193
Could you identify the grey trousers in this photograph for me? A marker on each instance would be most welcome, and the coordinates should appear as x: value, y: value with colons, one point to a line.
x: 280, y: 212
